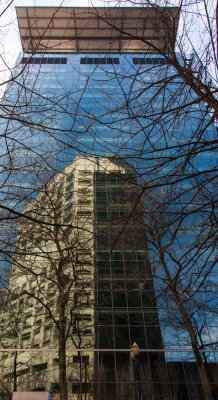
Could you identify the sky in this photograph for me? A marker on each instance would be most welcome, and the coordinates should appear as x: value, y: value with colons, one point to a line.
x: 10, y: 45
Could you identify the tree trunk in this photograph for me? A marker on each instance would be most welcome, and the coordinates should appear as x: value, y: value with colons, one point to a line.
x: 62, y: 346
x: 201, y: 367
x: 15, y: 373
x: 62, y: 364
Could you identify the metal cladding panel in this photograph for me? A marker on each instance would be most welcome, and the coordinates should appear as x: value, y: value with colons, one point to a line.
x: 31, y: 396
x: 102, y: 30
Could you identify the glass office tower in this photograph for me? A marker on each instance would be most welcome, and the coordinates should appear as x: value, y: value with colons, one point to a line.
x: 84, y: 89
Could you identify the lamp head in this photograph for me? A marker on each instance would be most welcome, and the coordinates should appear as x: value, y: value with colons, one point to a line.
x: 134, y: 351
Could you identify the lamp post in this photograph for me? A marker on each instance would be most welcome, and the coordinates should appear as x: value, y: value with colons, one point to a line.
x: 134, y: 353
x: 86, y: 366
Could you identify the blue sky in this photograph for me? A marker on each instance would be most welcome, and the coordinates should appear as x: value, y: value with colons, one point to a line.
x: 9, y: 36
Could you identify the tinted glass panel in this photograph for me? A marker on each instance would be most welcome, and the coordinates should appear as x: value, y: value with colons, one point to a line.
x: 44, y: 60
x: 90, y: 60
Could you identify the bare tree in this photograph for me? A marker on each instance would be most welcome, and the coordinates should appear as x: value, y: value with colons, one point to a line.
x: 177, y: 135
x: 163, y: 117
x: 52, y: 261
x: 182, y: 276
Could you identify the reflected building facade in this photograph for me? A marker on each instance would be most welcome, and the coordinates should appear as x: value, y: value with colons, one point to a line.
x: 111, y: 300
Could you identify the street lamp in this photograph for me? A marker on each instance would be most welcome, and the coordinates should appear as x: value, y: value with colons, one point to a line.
x: 134, y: 353
x: 86, y: 366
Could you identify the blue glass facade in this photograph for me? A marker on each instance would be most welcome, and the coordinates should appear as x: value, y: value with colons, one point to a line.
x: 94, y: 104
x: 79, y: 105
x: 128, y: 106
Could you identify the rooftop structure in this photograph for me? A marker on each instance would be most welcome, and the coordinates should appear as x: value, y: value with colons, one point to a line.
x: 96, y: 29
